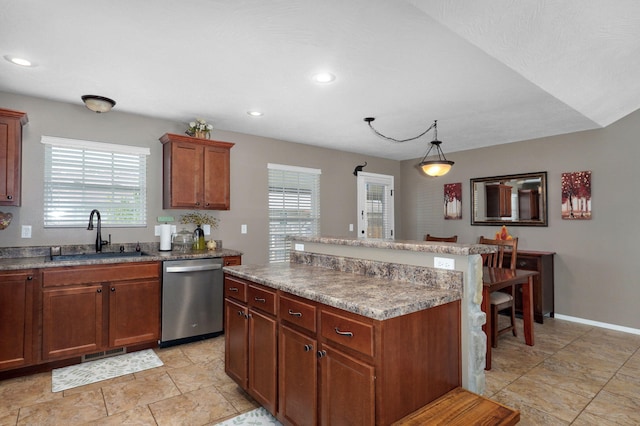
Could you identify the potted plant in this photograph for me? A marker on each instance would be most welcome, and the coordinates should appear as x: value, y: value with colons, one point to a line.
x: 199, y: 129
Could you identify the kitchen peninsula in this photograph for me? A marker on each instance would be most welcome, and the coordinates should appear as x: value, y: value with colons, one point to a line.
x: 364, y: 327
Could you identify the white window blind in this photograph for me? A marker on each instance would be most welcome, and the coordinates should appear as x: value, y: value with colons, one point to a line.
x: 294, y: 207
x: 80, y: 176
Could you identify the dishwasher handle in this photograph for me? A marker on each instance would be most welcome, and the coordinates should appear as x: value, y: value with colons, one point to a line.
x: 195, y: 268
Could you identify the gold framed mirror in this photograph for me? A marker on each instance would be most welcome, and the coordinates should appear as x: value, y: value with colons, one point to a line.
x: 518, y: 200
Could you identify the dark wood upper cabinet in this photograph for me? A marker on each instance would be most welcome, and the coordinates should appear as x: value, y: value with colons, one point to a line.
x: 11, y: 123
x: 196, y: 173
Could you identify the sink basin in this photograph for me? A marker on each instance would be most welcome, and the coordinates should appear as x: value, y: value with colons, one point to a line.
x: 96, y: 256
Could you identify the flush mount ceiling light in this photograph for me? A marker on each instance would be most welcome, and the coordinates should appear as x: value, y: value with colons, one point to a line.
x: 323, y: 77
x: 438, y: 165
x: 254, y: 113
x: 98, y: 103
x: 19, y: 61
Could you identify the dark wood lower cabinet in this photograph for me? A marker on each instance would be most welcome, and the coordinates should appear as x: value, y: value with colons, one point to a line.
x: 16, y: 318
x: 348, y: 389
x: 263, y: 359
x: 543, y: 284
x: 313, y: 364
x: 71, y: 321
x: 298, y: 383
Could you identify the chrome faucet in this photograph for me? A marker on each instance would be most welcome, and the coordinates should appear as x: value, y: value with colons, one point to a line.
x: 99, y: 241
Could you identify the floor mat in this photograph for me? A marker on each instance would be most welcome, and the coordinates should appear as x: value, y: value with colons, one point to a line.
x: 102, y: 369
x: 258, y: 417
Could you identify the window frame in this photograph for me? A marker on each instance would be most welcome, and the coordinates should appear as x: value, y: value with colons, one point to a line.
x: 81, y: 175
x: 282, y: 224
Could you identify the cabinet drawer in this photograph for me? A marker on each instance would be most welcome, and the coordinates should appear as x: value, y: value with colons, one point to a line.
x: 235, y: 288
x: 263, y: 299
x: 347, y: 332
x: 232, y: 260
x: 298, y: 313
x: 527, y: 263
x: 71, y: 275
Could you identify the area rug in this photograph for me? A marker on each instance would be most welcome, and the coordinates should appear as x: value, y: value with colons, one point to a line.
x: 258, y: 417
x: 102, y: 369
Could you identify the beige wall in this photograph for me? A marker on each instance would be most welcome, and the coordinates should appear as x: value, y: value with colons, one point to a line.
x: 249, y: 158
x: 596, y: 268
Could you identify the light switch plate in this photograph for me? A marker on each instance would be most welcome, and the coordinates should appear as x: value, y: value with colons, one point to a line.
x: 26, y: 231
x: 157, y: 230
x: 444, y: 263
x: 299, y: 247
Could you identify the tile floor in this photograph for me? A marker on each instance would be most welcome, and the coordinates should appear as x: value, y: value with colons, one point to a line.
x: 575, y: 374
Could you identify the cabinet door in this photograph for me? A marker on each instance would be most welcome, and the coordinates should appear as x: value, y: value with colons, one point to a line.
x: 236, y: 341
x: 348, y: 389
x: 263, y: 359
x: 186, y: 175
x: 10, y: 156
x: 16, y: 319
x: 216, y: 178
x: 134, y: 312
x: 72, y: 321
x: 298, y: 384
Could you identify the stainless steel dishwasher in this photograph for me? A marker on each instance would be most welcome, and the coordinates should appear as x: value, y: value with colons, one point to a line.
x: 192, y: 300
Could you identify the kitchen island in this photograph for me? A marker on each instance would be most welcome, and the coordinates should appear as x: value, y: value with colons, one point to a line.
x: 331, y: 335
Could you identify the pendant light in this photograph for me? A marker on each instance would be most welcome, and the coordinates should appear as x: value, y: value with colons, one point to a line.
x: 438, y: 165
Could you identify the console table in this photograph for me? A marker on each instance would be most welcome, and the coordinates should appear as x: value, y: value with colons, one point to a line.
x: 543, y: 287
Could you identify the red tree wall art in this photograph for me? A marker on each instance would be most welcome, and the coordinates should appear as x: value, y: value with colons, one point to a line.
x: 576, y: 195
x: 453, y: 201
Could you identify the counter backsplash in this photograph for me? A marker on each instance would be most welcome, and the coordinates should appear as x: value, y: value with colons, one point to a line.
x: 432, y: 277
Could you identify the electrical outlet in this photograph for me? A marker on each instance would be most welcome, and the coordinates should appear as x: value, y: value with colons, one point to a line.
x: 298, y: 247
x: 26, y: 231
x: 351, y: 227
x: 157, y: 231
x: 444, y: 263
x: 243, y: 229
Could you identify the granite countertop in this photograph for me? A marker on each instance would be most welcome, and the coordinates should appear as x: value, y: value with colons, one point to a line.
x: 410, y: 245
x: 149, y: 255
x: 371, y: 297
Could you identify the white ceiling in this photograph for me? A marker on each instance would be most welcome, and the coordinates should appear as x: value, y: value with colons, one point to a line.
x: 490, y: 71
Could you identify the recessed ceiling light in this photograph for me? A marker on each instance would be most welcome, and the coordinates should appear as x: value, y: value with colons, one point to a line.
x: 19, y: 61
x: 323, y: 77
x: 254, y: 113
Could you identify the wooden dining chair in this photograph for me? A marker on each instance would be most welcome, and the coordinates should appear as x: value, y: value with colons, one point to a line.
x: 501, y: 300
x: 453, y: 239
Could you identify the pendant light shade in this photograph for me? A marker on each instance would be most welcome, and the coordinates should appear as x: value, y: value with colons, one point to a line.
x: 97, y: 103
x: 438, y: 165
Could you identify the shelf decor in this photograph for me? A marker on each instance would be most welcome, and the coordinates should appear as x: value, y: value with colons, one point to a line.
x: 5, y: 220
x: 199, y: 129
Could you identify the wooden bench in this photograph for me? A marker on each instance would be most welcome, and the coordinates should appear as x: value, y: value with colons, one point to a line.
x: 463, y: 408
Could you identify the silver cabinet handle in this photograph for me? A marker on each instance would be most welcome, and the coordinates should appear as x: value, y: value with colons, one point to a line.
x: 343, y: 333
x: 295, y: 314
x: 322, y: 354
x: 260, y: 299
x: 234, y: 289
x: 307, y: 348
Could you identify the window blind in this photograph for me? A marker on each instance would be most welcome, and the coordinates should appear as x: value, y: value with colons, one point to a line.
x: 294, y: 207
x: 80, y: 176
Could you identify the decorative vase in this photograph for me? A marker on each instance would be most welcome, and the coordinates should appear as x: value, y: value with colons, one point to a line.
x: 198, y: 236
x: 201, y: 135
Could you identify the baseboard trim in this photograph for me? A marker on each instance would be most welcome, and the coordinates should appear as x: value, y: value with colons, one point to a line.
x: 598, y: 324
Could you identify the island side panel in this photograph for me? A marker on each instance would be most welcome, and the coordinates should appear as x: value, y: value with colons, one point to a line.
x: 418, y: 360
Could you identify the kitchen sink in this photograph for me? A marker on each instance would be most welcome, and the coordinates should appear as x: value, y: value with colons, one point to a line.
x: 96, y: 256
